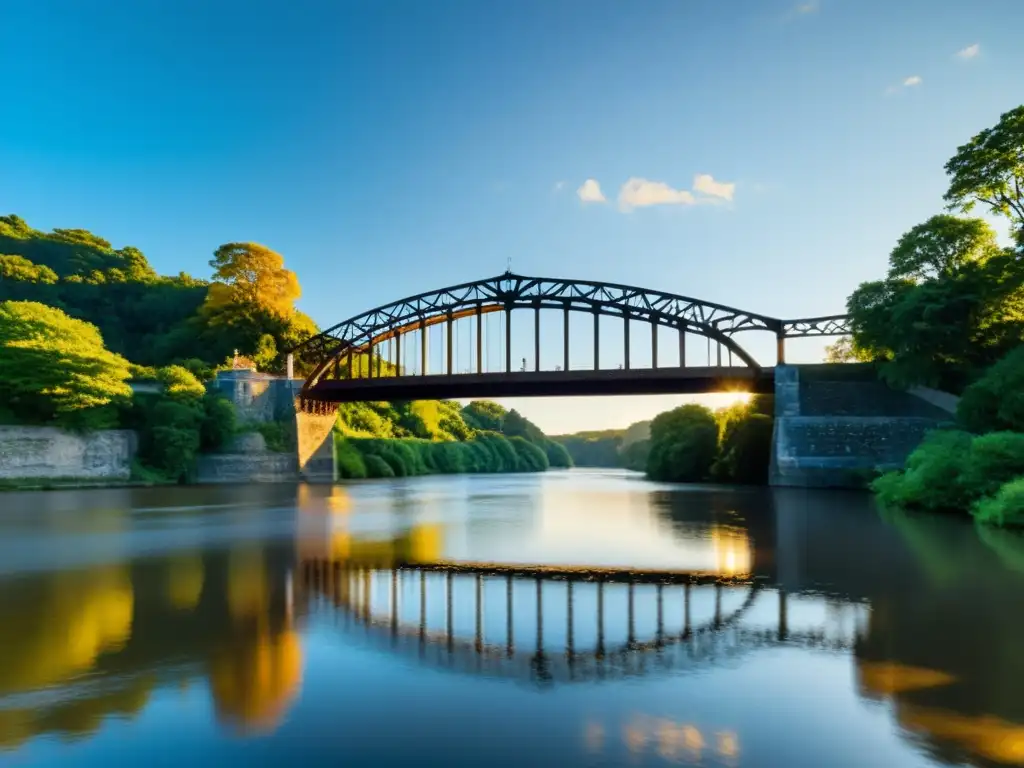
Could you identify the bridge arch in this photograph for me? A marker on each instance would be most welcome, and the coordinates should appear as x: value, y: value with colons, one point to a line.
x: 362, y: 333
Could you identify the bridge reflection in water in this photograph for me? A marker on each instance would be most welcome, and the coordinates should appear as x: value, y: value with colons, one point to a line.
x: 670, y: 639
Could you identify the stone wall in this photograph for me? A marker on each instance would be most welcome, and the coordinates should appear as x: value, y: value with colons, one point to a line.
x: 52, y: 453
x: 835, y: 427
x: 257, y: 396
x: 247, y: 468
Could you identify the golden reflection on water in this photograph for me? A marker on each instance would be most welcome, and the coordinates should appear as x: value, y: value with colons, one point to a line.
x: 984, y: 735
x: 734, y: 552
x: 96, y: 638
x: 673, y: 741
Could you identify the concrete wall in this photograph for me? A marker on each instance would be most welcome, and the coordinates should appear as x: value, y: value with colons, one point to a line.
x: 835, y: 427
x: 49, y: 453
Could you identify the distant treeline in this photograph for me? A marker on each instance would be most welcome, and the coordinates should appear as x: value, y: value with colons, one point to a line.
x: 399, y: 439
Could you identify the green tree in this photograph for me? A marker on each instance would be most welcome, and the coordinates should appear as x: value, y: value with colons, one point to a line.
x: 684, y: 443
x: 941, y: 247
x: 995, y: 401
x: 53, y: 367
x: 20, y: 268
x: 989, y: 169
x: 485, y: 415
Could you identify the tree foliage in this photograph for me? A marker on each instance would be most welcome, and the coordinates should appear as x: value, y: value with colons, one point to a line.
x: 952, y: 302
x: 989, y: 169
x: 684, y: 442
x: 995, y: 401
x: 251, y: 276
x: 56, y: 368
x: 22, y: 270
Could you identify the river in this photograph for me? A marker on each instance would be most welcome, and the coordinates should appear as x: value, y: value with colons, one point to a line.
x: 265, y: 625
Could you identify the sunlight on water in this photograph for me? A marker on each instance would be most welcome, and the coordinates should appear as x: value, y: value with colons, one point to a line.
x: 665, y: 625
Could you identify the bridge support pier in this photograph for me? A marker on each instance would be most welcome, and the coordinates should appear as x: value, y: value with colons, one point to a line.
x: 314, y: 443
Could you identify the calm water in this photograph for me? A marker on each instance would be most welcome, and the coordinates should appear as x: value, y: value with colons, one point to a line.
x: 265, y: 625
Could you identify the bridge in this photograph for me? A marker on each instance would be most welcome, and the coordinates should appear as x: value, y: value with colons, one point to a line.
x: 679, y: 646
x: 384, y: 353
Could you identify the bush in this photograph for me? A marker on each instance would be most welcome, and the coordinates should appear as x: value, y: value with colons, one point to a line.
x: 348, y: 459
x: 180, y: 382
x: 378, y: 467
x: 931, y: 481
x: 219, y: 423
x: 994, y: 460
x: 276, y: 435
x: 745, y: 450
x: 996, y: 401
x: 684, y: 443
x: 529, y: 458
x: 557, y: 454
x: 1004, y: 509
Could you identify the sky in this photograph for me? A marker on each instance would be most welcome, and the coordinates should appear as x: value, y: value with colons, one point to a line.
x: 763, y: 154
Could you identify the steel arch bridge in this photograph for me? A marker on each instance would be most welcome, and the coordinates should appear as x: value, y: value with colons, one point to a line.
x: 362, y: 358
x: 346, y: 589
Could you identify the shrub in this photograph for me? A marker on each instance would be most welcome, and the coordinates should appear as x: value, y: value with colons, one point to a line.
x: 378, y: 467
x: 931, y: 481
x: 1004, y: 509
x: 996, y: 401
x: 558, y: 456
x: 529, y: 458
x: 994, y: 459
x: 180, y: 382
x: 349, y: 461
x: 684, y: 442
x: 745, y: 449
x: 276, y: 435
x: 219, y: 423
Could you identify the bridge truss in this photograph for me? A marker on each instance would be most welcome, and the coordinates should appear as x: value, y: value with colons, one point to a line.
x: 353, y: 347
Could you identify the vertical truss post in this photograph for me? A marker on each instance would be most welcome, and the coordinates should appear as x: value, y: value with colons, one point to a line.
x: 350, y: 372
x: 682, y: 346
x: 479, y: 337
x: 597, y: 341
x: 625, y: 338
x: 654, y: 345
x: 423, y: 346
x: 536, y: 337
x: 780, y: 348
x: 449, y: 324
x: 719, y: 352
x: 565, y: 338
x: 508, y: 339
x: 398, y: 353
x: 369, y: 360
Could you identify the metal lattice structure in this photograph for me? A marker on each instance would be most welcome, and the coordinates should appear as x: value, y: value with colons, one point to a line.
x: 718, y: 323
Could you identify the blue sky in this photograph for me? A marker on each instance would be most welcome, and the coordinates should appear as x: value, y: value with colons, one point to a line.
x: 386, y: 148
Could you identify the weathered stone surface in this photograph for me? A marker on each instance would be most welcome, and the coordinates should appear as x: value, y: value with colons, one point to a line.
x: 49, y: 452
x: 838, y: 433
x: 247, y: 468
x: 247, y: 442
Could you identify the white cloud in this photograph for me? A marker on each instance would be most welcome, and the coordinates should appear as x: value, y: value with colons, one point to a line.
x: 809, y: 7
x: 912, y: 81
x: 705, y: 184
x: 638, y: 193
x: 969, y: 52
x: 590, y: 192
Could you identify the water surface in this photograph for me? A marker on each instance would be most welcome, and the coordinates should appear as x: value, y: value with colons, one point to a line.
x: 262, y: 625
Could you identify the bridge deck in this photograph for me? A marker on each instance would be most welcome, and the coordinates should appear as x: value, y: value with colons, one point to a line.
x: 634, y: 381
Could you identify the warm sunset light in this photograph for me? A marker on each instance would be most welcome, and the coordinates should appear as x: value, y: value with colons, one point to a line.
x: 733, y: 550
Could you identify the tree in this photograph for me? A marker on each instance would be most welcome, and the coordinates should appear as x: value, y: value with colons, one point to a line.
x: 989, y: 169
x: 684, y: 442
x: 53, y: 367
x: 942, y: 247
x: 21, y: 269
x: 951, y: 305
x: 845, y: 351
x: 251, y: 275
